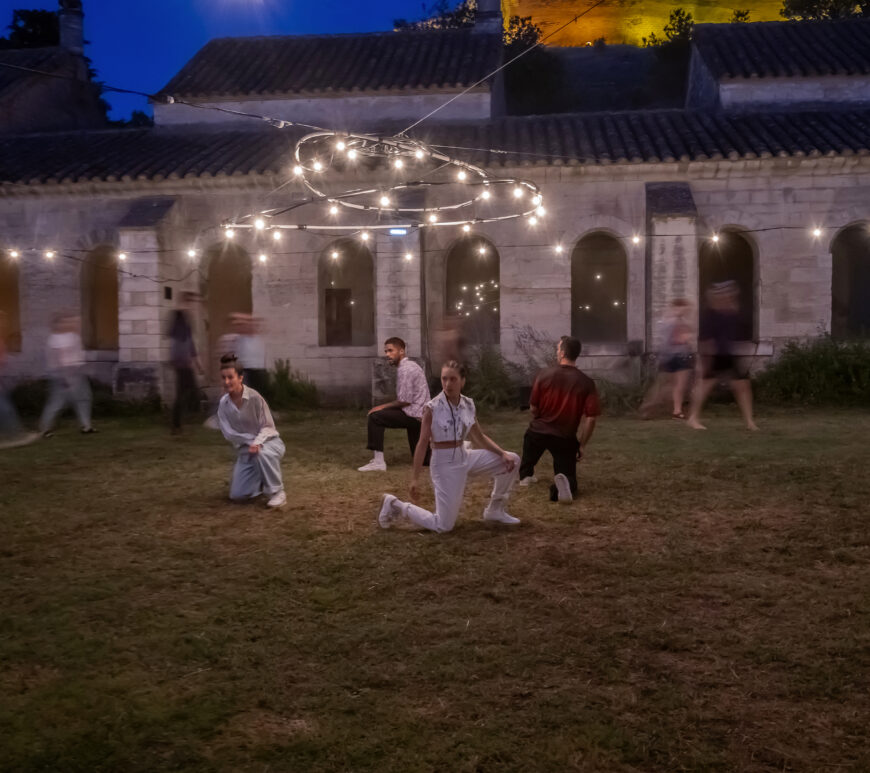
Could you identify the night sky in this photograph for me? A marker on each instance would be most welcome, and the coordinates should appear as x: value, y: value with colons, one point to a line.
x: 141, y: 44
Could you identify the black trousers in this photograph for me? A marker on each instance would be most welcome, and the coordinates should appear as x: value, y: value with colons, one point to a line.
x: 186, y: 395
x: 392, y: 418
x: 562, y: 449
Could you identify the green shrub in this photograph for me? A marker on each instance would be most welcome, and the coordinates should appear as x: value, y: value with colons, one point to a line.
x: 620, y: 399
x: 290, y: 388
x: 818, y: 372
x: 492, y: 381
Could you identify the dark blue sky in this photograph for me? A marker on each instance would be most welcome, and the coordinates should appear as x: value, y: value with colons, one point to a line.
x: 140, y: 44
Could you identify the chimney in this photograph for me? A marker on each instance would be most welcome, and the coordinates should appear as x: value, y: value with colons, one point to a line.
x: 489, y: 18
x: 71, y: 16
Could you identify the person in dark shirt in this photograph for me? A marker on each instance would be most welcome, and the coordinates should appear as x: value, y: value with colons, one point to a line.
x: 717, y: 333
x: 563, y: 400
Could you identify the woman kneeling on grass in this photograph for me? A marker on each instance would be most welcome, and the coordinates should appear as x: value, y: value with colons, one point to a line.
x: 447, y: 420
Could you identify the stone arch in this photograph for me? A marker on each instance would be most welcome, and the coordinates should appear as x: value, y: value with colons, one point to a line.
x: 99, y: 298
x: 850, y: 282
x: 346, y: 294
x: 472, y: 289
x: 227, y: 291
x: 599, y: 289
x: 10, y: 302
x: 731, y: 258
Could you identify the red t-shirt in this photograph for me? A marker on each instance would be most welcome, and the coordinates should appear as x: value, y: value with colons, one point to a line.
x: 562, y: 395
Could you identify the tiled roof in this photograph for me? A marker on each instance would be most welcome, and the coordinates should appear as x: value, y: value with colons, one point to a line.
x: 337, y: 63
x: 785, y: 49
x: 12, y: 79
x: 575, y: 139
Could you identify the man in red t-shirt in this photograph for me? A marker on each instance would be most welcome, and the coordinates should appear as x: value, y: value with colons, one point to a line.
x: 564, y: 399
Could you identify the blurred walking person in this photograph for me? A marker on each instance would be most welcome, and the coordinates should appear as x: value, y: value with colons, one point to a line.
x: 251, y: 352
x: 675, y: 362
x: 183, y: 358
x: 717, y: 335
x: 65, y: 359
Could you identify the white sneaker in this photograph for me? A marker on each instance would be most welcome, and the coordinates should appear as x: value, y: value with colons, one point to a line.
x: 373, y: 466
x: 499, y: 515
x: 389, y: 515
x: 563, y: 488
x: 528, y: 481
x: 278, y: 499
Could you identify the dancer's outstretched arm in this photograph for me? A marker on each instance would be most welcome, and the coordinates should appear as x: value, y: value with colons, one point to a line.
x: 483, y: 441
x: 420, y: 453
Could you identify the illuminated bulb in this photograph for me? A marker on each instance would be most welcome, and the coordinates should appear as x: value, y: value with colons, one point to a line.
x: 398, y: 163
x: 495, y: 286
x: 485, y: 195
x: 364, y: 236
x: 817, y: 232
x: 230, y: 233
x: 533, y: 220
x: 477, y: 308
x: 536, y: 199
x: 385, y: 201
x: 495, y: 308
x: 461, y: 175
x: 588, y: 308
x: 467, y: 313
x: 541, y: 211
x: 559, y: 248
x: 334, y: 255
x: 518, y: 193
x: 340, y: 145
x: 191, y: 253
x: 49, y: 254
x: 317, y: 166
x: 433, y: 218
x: 297, y: 170
x: 333, y: 210
x: 122, y: 256
x: 598, y: 276
x: 14, y: 254
x: 715, y: 238
x: 408, y: 256
x: 259, y: 224
x: 635, y: 240
x: 418, y: 154
x: 351, y: 153
x: 466, y: 228
x: 276, y: 235
x: 616, y: 303
x: 262, y: 257
x: 464, y: 288
x: 352, y: 303
x: 482, y: 250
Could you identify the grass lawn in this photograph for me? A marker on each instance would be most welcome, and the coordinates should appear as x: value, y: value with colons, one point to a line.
x: 704, y: 606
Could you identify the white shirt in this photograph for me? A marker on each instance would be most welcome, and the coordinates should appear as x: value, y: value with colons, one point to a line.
x: 64, y: 351
x: 250, y: 425
x: 251, y: 351
x: 411, y: 387
x: 451, y: 423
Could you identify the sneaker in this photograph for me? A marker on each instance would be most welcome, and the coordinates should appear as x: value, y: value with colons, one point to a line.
x: 88, y: 431
x: 563, y: 488
x: 529, y: 480
x: 373, y: 466
x: 389, y: 514
x: 498, y: 514
x: 278, y: 499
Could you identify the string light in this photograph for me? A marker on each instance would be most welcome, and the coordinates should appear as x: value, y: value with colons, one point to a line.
x: 49, y: 254
x: 598, y: 277
x: 340, y: 145
x: 635, y: 239
x: 317, y: 166
x: 482, y: 250
x: 298, y: 170
x: 408, y: 256
x: 433, y: 218
x: 351, y: 154
x: 518, y: 193
x: 334, y: 255
x: 419, y: 154
x: 14, y: 254
x: 191, y: 253
x: 259, y: 224
x: 461, y: 175
x: 558, y: 248
x: 263, y: 257
x: 276, y: 235
x: 364, y: 236
x: 466, y: 228
x: 714, y: 238
x: 541, y: 211
x: 385, y: 201
x: 533, y: 220
x: 817, y: 232
x: 398, y: 163
x: 333, y: 210
x: 122, y: 256
x: 485, y: 195
x: 229, y: 233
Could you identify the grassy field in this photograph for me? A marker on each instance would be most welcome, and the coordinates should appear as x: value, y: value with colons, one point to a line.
x: 705, y: 606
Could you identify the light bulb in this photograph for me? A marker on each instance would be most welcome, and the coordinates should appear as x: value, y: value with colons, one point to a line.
x: 518, y: 193
x: 49, y: 254
x: 340, y: 145
x: 297, y: 170
x: 191, y: 253
x: 485, y: 195
x: 262, y: 257
x: 334, y: 254
x: 259, y: 224
x: 122, y: 256
x: 635, y: 240
x: 364, y: 236
x: 385, y: 201
x: 333, y: 210
x: 229, y: 233
x: 482, y: 250
x: 433, y: 218
x: 817, y: 232
x: 317, y: 166
x: 466, y: 228
x: 408, y: 256
x: 351, y: 153
x: 398, y: 163
x: 276, y: 235
x: 461, y: 175
x: 536, y: 199
x: 418, y: 154
x: 715, y: 238
x: 533, y: 220
x: 541, y: 211
x: 558, y: 248
x: 14, y: 254
x: 598, y: 277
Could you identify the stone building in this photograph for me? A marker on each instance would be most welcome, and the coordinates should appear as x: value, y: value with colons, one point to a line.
x: 765, y: 186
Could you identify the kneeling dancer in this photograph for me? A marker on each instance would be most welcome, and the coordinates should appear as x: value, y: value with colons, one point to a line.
x: 447, y: 420
x: 245, y: 420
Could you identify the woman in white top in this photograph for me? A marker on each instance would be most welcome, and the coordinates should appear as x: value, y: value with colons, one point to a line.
x: 448, y: 420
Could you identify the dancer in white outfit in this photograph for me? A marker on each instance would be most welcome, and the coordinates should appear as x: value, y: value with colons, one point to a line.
x: 447, y: 420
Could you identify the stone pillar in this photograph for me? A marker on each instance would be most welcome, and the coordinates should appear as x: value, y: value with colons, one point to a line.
x: 672, y: 253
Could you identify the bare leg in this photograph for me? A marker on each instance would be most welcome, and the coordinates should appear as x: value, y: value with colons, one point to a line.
x: 742, y: 390
x: 699, y: 397
x: 681, y: 384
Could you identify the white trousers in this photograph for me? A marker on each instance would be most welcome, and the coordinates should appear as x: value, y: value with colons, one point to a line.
x: 449, y: 469
x: 68, y: 389
x: 260, y: 473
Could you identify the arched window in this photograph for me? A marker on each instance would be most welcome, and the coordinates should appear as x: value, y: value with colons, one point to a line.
x: 850, y: 283
x: 228, y: 292
x: 345, y: 276
x: 599, y: 290
x: 10, y: 314
x: 730, y: 258
x: 99, y: 288
x: 472, y: 289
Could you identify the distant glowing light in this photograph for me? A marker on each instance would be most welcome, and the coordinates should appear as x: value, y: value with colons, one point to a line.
x: 418, y: 154
x: 461, y: 175
x: 297, y: 170
x: 385, y: 201
x: 536, y: 199
x: 340, y: 145
x: 317, y: 166
x: 191, y: 253
x: 333, y: 210
x: 635, y: 240
x: 351, y: 153
x: 263, y: 257
x: 518, y: 193
x: 466, y: 228
x: 485, y: 195
x: 276, y: 235
x: 541, y: 211
x: 334, y: 255
x: 817, y: 232
x: 433, y: 218
x: 122, y: 256
x: 259, y: 224
x: 558, y: 249
x: 398, y: 163
x: 482, y: 250
x: 364, y: 236
x: 229, y: 233
x: 408, y: 256
x: 49, y: 254
x: 598, y: 277
x: 533, y: 220
x: 14, y: 254
x: 714, y: 238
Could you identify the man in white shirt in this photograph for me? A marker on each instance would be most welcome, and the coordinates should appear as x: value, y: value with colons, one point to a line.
x: 405, y: 412
x: 65, y: 359
x: 246, y: 421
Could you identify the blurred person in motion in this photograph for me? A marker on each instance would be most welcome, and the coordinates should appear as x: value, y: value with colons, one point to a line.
x: 251, y: 352
x: 675, y: 362
x: 65, y: 360
x: 448, y: 420
x: 718, y: 362
x: 405, y: 412
x: 563, y: 400
x: 246, y: 421
x: 183, y: 358
x: 11, y: 430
